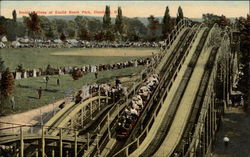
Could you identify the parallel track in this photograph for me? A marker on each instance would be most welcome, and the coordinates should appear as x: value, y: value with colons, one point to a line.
x: 169, y: 117
x: 193, y: 118
x: 169, y: 67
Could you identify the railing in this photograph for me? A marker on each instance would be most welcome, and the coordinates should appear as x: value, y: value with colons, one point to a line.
x: 137, y: 142
x: 203, y: 113
x: 118, y: 107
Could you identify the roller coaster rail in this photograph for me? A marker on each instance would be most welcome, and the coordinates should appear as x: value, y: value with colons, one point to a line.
x: 197, y: 143
x: 182, y: 24
x: 144, y: 133
x: 103, y: 127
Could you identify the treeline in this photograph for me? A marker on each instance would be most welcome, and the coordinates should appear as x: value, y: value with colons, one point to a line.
x: 84, y: 28
x: 242, y: 24
x: 211, y: 19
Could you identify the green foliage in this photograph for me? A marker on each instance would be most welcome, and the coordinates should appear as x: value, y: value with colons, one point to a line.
x: 14, y: 15
x: 2, y: 66
x: 99, y: 36
x: 119, y: 21
x: 83, y: 34
x: 107, y: 18
x: 180, y: 15
x: 211, y: 19
x: 109, y: 35
x: 10, y: 27
x: 33, y: 23
x: 49, y: 70
x: 2, y: 30
x: 133, y: 26
x: 166, y: 23
x: 48, y: 28
x: 153, y: 26
x: 245, y: 40
x: 20, y: 68
x: 63, y: 37
x: 7, y: 84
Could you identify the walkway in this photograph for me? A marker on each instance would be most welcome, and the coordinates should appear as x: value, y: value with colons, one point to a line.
x: 236, y: 125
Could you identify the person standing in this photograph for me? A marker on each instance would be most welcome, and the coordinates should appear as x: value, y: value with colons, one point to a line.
x: 58, y: 82
x: 96, y: 75
x: 47, y: 81
x: 226, y: 141
x: 13, y: 102
x: 39, y: 91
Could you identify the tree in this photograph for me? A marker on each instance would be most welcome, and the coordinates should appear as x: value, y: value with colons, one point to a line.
x: 107, y: 18
x: 2, y: 30
x: 133, y: 26
x: 14, y: 15
x: 211, y: 19
x: 109, y: 35
x: 153, y: 25
x: 63, y: 37
x: 61, y: 25
x: 7, y: 84
x: 49, y: 70
x: 99, y: 36
x: 119, y: 21
x: 20, y: 68
x: 76, y: 74
x: 223, y: 21
x: 166, y: 23
x: 179, y: 15
x: 33, y: 23
x: 83, y: 34
x: 2, y: 66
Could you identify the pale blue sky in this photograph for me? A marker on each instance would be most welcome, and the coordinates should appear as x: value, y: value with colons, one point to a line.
x: 130, y: 8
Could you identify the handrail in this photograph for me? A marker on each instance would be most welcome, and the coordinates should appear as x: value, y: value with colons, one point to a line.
x: 175, y: 33
x: 146, y: 129
x: 201, y: 118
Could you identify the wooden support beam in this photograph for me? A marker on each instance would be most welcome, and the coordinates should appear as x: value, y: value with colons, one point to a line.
x: 21, y: 143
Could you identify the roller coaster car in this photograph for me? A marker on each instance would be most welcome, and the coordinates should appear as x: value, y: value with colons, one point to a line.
x: 122, y: 132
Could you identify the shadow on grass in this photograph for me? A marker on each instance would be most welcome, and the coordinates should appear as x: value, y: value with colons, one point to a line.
x: 23, y: 86
x: 51, y: 90
x: 32, y: 97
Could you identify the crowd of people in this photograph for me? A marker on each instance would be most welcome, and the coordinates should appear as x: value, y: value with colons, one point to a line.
x: 115, y: 92
x: 87, y: 68
x: 79, y: 44
x: 136, y: 106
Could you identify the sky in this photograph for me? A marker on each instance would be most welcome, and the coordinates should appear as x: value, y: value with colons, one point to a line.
x: 191, y: 9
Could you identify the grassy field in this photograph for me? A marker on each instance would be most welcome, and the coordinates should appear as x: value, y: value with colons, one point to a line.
x: 26, y: 96
x: 40, y: 57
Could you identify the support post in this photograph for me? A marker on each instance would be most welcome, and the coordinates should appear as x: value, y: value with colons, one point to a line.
x: 61, y: 144
x: 75, y: 144
x: 36, y: 152
x: 82, y: 116
x: 109, y: 127
x: 87, y: 140
x: 21, y: 143
x: 99, y: 100
x: 43, y: 142
x: 53, y: 153
x: 91, y: 110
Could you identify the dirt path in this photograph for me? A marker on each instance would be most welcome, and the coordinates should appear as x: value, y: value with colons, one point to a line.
x: 29, y: 117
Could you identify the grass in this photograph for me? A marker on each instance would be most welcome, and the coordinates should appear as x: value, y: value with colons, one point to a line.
x: 32, y: 58
x: 26, y: 97
x: 25, y: 94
